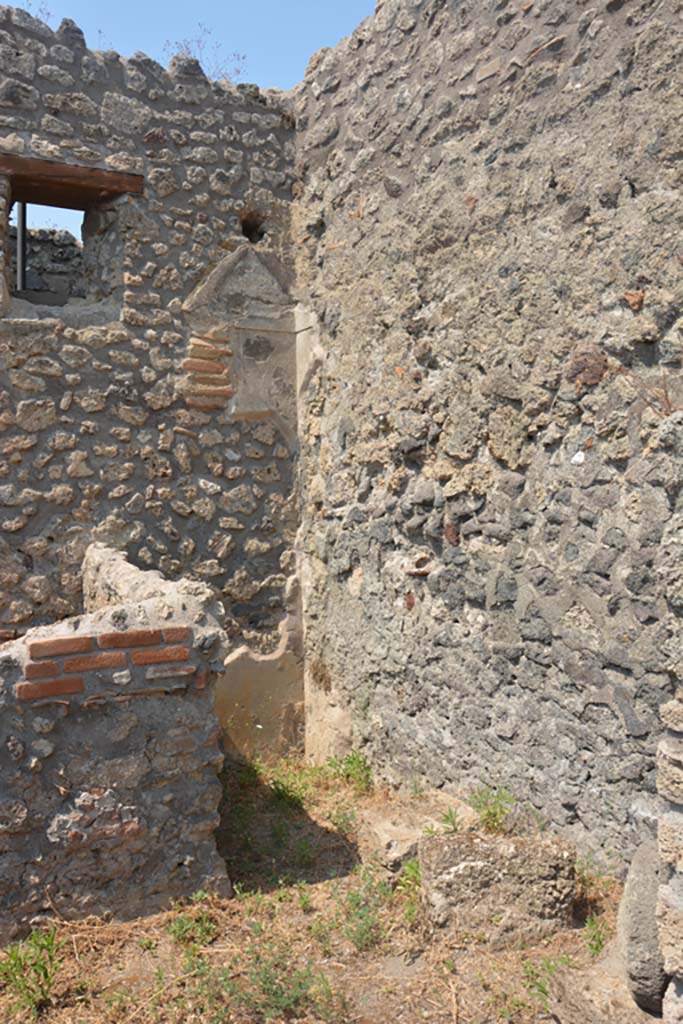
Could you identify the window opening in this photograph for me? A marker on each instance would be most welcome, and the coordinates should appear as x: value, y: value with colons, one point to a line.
x: 65, y: 236
x: 46, y: 251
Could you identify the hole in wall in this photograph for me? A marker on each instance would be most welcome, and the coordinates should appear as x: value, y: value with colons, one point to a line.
x: 253, y: 225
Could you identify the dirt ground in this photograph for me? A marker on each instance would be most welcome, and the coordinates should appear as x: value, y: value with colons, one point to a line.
x: 313, y: 934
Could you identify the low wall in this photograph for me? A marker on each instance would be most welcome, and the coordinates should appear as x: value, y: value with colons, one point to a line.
x: 109, y: 752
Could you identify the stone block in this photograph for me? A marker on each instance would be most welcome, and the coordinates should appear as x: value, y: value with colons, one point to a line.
x: 670, y: 769
x: 671, y: 714
x: 670, y: 839
x: 670, y: 924
x: 638, y: 932
x: 502, y: 888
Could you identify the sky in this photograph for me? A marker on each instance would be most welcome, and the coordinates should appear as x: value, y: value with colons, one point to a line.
x: 276, y: 37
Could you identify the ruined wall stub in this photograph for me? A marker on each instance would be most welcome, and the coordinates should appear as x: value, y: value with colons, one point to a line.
x: 492, y: 519
x: 109, y: 752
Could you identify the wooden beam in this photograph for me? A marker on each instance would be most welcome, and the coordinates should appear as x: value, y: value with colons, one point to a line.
x: 68, y: 185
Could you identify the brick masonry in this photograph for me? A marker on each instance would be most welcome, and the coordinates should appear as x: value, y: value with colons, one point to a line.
x: 79, y: 664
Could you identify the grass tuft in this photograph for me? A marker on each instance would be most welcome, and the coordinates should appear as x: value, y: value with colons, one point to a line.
x: 493, y: 804
x: 29, y: 970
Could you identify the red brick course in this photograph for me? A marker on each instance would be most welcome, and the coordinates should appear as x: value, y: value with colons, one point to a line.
x: 176, y: 634
x: 159, y: 655
x: 91, y: 662
x: 210, y: 391
x: 113, y: 650
x: 204, y: 366
x: 204, y: 403
x: 51, y: 688
x: 169, y: 671
x: 61, y: 645
x: 41, y: 670
x: 202, y: 350
x: 215, y: 338
x: 133, y: 638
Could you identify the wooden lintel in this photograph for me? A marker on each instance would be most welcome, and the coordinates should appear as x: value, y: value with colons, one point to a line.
x: 68, y: 185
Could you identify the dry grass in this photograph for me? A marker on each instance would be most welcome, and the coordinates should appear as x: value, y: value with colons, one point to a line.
x: 312, y: 935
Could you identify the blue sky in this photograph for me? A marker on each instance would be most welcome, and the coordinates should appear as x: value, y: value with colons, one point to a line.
x: 277, y: 38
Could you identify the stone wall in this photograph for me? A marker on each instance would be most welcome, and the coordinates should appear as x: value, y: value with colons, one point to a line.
x: 109, y: 751
x: 156, y: 411
x: 480, y: 273
x: 489, y: 226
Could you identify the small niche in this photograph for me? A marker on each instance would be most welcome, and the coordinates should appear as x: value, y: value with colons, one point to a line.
x: 253, y: 225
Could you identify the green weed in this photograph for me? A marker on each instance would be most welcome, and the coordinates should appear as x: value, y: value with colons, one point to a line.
x: 29, y: 969
x: 361, y: 908
x: 591, y: 888
x: 289, y: 782
x: 193, y: 927
x: 597, y: 934
x: 304, y: 899
x: 321, y: 930
x: 450, y: 821
x: 279, y: 833
x: 286, y: 792
x: 512, y: 1006
x: 537, y: 975
x: 343, y: 818
x: 408, y: 886
x: 277, y: 989
x: 117, y: 1003
x: 353, y: 769
x: 416, y: 788
x: 493, y: 804
x: 304, y: 853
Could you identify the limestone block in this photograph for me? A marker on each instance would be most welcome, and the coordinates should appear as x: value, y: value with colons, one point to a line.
x: 671, y: 714
x: 670, y: 769
x: 670, y: 922
x: 670, y: 838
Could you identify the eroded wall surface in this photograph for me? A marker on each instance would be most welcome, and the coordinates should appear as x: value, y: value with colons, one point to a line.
x: 131, y: 415
x: 489, y: 231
